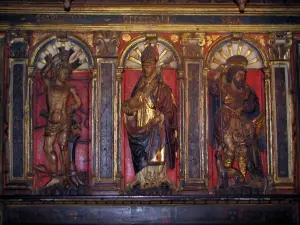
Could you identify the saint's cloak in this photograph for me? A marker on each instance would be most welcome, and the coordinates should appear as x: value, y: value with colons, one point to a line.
x: 145, y: 141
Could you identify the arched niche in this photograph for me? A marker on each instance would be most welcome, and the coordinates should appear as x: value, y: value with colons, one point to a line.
x: 254, y: 52
x: 81, y: 80
x: 168, y: 55
x: 130, y: 62
x: 226, y: 47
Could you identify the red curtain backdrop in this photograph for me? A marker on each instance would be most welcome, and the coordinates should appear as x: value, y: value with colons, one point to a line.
x: 130, y: 78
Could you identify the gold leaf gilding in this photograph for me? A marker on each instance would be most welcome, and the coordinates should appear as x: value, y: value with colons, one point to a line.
x: 87, y: 38
x: 126, y: 37
x: 174, y: 38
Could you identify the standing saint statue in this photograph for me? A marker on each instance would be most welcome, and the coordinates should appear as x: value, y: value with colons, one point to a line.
x: 151, y: 123
x: 237, y: 123
x: 59, y: 125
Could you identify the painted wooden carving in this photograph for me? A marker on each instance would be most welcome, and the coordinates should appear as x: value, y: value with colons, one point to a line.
x: 148, y: 126
x: 60, y: 122
x: 134, y: 61
x: 151, y: 123
x: 61, y: 118
x: 193, y: 108
x: 238, y: 126
x: 238, y: 120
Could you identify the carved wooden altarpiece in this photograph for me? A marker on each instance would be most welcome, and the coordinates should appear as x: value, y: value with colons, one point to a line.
x: 94, y: 56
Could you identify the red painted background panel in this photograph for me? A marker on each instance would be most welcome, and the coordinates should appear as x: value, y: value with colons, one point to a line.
x: 130, y: 78
x: 255, y: 79
x: 80, y: 80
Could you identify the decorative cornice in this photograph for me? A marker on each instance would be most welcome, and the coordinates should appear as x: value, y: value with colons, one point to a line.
x: 196, y: 9
x: 154, y: 27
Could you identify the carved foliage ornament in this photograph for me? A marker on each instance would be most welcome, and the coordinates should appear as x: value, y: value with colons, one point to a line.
x: 18, y: 43
x: 279, y: 45
x: 193, y: 44
x: 107, y: 43
x: 211, y: 39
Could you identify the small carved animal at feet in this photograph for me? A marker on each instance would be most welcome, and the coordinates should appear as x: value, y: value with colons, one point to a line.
x: 224, y: 173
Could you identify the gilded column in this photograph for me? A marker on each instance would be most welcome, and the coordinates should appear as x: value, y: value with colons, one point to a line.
x: 194, y: 114
x: 17, y: 149
x: 117, y: 115
x: 107, y: 137
x: 204, y: 138
x: 2, y: 73
x: 279, y: 45
x: 28, y: 138
x: 182, y: 131
x: 269, y: 136
x: 296, y: 127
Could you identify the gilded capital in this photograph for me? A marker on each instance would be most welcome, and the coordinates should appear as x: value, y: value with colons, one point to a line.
x: 107, y: 43
x: 18, y: 43
x: 119, y: 73
x: 17, y: 36
x: 94, y: 71
x: 193, y: 44
x: 267, y: 73
x: 279, y: 45
x: 205, y: 71
x: 180, y: 74
x: 30, y: 70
